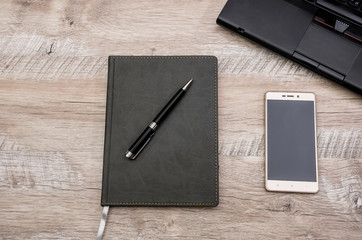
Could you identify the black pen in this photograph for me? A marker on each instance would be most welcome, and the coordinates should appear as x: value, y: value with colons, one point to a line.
x: 148, y: 133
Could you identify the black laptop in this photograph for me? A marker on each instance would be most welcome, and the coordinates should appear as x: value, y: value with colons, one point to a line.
x: 323, y: 35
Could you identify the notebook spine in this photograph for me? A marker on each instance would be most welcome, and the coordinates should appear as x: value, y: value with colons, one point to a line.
x: 108, y: 130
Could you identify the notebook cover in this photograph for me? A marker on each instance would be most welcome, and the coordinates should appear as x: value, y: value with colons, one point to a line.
x: 179, y: 166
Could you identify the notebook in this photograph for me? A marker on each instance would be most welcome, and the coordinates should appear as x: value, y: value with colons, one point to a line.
x: 179, y: 167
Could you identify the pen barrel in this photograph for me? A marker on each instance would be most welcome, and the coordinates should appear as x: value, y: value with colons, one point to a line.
x: 141, y: 141
x: 169, y: 106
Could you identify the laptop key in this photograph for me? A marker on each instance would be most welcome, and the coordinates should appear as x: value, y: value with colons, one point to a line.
x: 355, y: 3
x: 342, y: 9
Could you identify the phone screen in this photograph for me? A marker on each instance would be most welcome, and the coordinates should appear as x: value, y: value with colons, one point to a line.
x: 291, y: 140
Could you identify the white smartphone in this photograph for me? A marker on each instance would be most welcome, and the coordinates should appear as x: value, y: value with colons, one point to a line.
x: 290, y: 142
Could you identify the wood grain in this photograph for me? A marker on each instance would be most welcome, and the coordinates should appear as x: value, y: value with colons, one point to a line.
x: 53, y: 73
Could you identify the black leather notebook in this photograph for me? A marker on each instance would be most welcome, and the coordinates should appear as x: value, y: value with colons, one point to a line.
x: 179, y: 166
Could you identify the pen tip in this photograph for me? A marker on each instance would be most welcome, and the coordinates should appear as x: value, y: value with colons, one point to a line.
x: 187, y: 84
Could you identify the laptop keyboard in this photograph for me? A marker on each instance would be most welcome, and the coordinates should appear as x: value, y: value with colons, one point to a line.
x: 353, y: 4
x: 332, y: 22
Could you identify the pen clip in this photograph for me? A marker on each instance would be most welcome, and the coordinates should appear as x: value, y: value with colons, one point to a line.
x: 144, y: 145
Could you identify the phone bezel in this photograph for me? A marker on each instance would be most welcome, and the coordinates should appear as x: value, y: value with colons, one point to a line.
x: 290, y: 186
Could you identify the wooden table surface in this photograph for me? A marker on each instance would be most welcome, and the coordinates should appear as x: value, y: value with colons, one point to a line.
x: 53, y: 74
